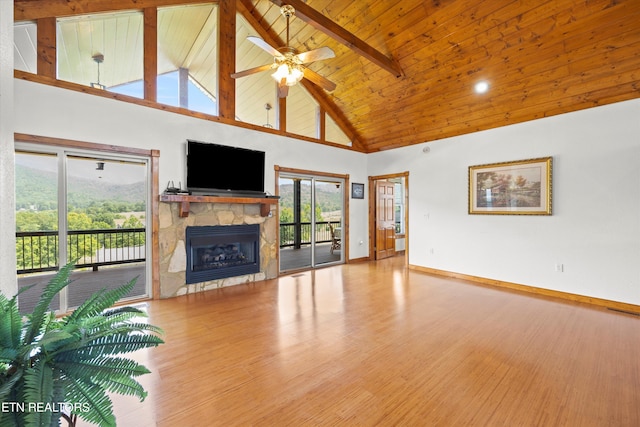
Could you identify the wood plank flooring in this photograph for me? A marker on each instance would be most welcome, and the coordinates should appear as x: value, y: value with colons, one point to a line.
x: 369, y: 344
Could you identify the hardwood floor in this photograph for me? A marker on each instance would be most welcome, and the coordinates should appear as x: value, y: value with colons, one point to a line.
x: 376, y: 344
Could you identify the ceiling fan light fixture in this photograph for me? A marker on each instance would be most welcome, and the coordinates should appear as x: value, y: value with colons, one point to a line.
x: 290, y: 72
x: 288, y: 67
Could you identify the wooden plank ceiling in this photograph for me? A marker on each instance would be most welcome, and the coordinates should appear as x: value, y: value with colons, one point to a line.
x: 539, y: 57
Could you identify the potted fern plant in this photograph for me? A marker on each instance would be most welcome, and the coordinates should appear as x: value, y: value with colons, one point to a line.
x: 63, y: 367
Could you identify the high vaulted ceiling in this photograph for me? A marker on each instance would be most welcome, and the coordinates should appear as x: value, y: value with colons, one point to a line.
x: 539, y: 57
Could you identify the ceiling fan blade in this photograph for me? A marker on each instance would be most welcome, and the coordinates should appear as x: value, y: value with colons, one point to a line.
x: 316, y: 78
x: 251, y: 71
x: 283, y: 89
x: 316, y: 55
x: 264, y: 46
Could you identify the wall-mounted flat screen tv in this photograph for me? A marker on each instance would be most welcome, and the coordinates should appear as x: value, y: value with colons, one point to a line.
x: 223, y: 170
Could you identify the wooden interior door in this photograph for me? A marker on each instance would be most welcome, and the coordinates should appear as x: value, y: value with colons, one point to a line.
x: 385, y: 223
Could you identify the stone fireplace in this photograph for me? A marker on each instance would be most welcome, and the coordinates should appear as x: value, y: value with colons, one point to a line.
x: 209, y: 214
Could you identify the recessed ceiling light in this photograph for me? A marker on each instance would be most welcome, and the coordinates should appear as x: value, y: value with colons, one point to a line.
x: 481, y: 87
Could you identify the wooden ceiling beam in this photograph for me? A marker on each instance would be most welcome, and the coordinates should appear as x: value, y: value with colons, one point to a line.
x: 27, y: 10
x: 343, y: 123
x: 227, y: 59
x: 335, y: 31
x: 244, y: 7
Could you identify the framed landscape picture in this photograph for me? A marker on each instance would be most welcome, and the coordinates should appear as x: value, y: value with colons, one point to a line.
x: 511, y: 188
x: 357, y: 191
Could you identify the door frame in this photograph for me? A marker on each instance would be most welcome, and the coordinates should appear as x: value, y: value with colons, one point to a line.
x: 372, y: 211
x: 28, y: 142
x: 345, y: 204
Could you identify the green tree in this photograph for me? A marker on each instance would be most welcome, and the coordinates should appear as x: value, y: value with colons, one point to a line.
x: 132, y: 222
x: 79, y: 221
x: 36, y: 221
x: 286, y: 214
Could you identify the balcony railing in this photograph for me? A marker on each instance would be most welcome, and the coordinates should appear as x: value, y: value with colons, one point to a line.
x: 39, y: 250
x: 288, y: 233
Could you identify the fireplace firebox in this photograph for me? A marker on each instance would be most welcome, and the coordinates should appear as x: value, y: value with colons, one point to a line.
x: 220, y: 251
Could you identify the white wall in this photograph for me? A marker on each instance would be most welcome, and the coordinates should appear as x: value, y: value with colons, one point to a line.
x: 8, y: 284
x: 50, y: 111
x: 595, y: 227
x: 594, y: 230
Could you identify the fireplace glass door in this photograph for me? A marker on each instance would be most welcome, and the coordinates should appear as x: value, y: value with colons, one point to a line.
x: 216, y: 252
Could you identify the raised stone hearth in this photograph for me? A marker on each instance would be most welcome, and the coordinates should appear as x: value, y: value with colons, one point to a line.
x: 173, y: 258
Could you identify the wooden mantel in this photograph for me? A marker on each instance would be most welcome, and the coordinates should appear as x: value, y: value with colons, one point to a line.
x: 186, y: 200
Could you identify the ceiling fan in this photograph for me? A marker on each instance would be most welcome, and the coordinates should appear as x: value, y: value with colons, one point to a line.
x: 288, y: 63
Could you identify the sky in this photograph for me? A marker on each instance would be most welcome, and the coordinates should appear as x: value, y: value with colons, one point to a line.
x: 115, y: 171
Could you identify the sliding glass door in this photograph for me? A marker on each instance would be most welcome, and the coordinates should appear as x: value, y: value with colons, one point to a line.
x: 83, y: 207
x: 311, y: 219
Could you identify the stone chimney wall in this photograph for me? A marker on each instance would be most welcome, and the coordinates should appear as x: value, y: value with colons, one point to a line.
x: 173, y: 257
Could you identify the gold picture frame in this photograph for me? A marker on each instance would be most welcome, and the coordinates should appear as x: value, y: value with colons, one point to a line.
x: 511, y: 188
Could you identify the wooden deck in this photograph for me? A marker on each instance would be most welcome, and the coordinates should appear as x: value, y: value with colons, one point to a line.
x: 296, y: 259
x: 84, y: 284
x: 375, y: 344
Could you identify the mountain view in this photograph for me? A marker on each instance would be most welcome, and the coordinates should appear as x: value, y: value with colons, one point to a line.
x: 37, y: 190
x: 92, y: 203
x: 328, y: 202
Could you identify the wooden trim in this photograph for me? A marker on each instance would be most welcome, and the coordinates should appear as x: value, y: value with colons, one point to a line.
x: 186, y: 200
x: 372, y: 211
x: 227, y: 58
x: 150, y: 47
x: 276, y: 191
x: 26, y: 10
x: 268, y: 35
x: 244, y: 7
x: 406, y: 219
x: 390, y: 175
x: 70, y: 143
x: 322, y: 123
x: 345, y: 201
x: 281, y: 114
x: 283, y: 169
x: 338, y: 116
x: 22, y: 75
x: 372, y: 218
x: 600, y: 302
x: 153, y: 155
x: 46, y: 47
x: 336, y: 32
